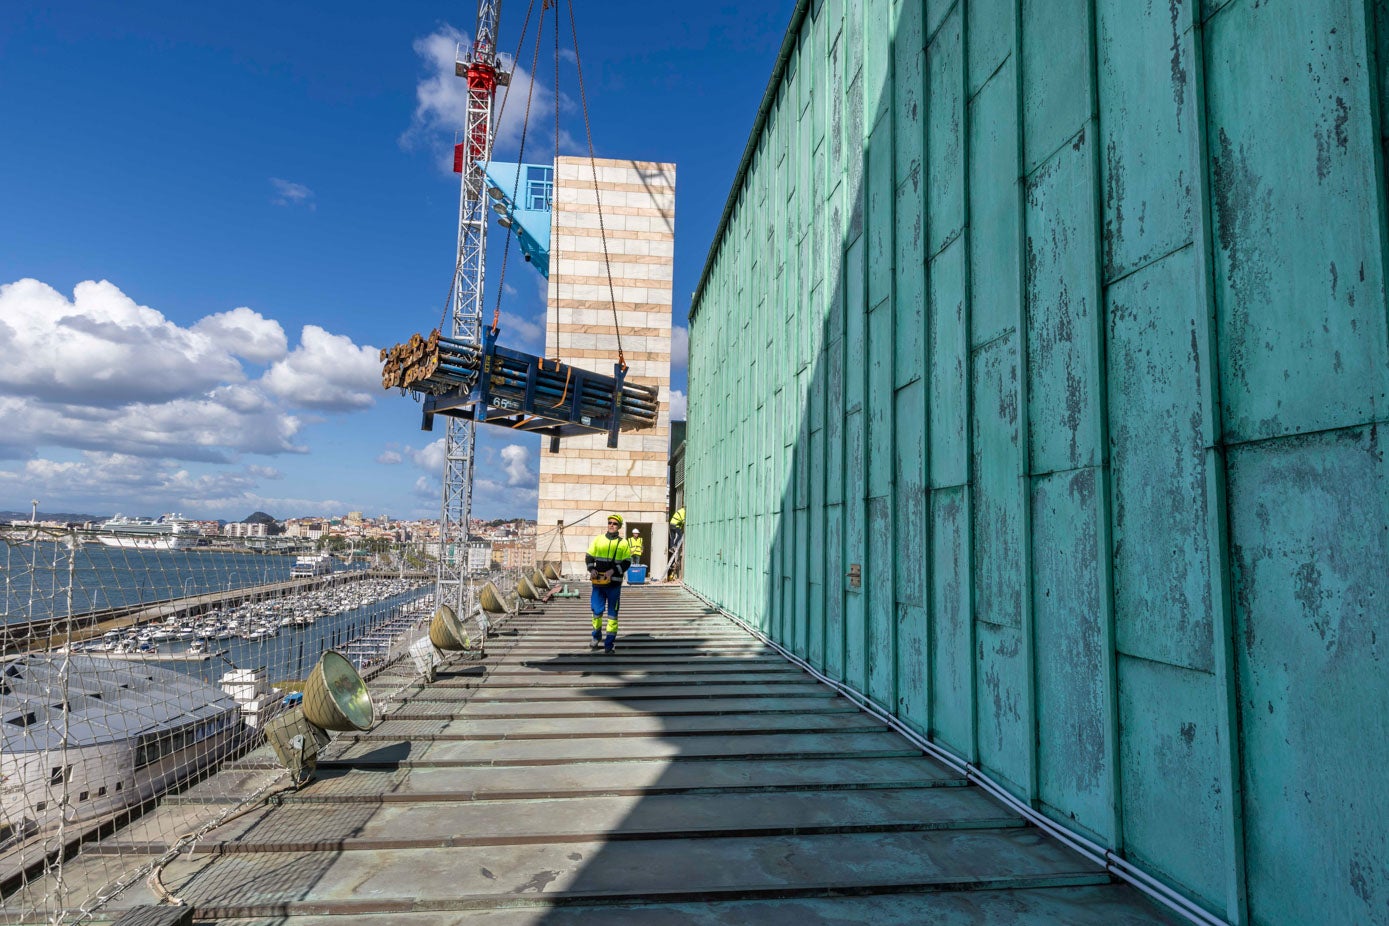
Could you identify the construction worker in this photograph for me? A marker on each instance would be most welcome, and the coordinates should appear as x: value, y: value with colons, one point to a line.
x: 607, y: 559
x: 637, y: 545
x: 677, y: 527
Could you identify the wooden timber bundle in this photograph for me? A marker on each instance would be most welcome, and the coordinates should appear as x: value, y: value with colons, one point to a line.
x: 437, y: 365
x: 412, y: 365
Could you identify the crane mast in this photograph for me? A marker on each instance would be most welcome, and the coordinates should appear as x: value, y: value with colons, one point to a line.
x: 479, y: 65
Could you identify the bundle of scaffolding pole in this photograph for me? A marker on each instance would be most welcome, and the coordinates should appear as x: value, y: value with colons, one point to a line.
x: 486, y: 382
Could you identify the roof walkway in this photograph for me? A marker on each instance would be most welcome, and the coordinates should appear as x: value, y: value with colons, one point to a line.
x: 692, y: 777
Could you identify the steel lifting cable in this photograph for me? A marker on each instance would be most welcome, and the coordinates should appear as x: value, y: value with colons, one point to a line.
x: 554, y: 245
x: 520, y: 159
x: 593, y: 166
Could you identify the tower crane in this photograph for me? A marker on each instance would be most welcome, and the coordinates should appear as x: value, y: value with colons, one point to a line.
x: 484, y: 70
x: 465, y: 375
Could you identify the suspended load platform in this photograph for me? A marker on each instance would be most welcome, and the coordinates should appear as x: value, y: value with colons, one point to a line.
x: 495, y: 385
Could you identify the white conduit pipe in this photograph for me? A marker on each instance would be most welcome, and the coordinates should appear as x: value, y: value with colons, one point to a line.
x: 1092, y: 851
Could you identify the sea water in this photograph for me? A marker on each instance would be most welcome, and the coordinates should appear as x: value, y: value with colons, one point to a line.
x: 41, y: 579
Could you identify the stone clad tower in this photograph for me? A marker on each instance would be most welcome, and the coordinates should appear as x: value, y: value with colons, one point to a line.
x: 586, y: 480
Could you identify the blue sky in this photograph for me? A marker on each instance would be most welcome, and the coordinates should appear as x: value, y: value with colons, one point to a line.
x: 212, y: 216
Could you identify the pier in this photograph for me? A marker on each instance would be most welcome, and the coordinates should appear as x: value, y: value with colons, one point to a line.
x: 49, y: 633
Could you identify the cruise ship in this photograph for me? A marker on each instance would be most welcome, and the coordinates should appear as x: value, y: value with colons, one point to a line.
x: 320, y: 564
x: 125, y: 732
x: 170, y: 532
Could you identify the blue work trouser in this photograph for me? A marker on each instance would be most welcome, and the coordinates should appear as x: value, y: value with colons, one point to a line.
x: 605, y: 597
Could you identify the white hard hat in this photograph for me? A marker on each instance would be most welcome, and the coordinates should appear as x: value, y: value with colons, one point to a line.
x: 636, y: 530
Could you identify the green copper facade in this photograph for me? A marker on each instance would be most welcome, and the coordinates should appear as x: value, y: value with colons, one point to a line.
x: 1035, y: 383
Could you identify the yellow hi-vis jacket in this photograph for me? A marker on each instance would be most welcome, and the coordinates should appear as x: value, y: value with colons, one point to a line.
x: 678, y: 519
x: 636, y: 545
x: 609, y: 554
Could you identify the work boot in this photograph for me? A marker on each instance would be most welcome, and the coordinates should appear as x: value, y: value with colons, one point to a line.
x: 609, y: 643
x: 597, y: 640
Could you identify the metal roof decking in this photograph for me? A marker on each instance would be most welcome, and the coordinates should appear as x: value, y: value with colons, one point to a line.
x: 692, y: 777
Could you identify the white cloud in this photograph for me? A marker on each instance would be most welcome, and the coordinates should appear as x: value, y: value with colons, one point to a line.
x: 493, y: 499
x: 526, y: 334
x: 288, y: 193
x: 326, y: 371
x: 679, y: 347
x: 245, y: 333
x: 101, y: 373
x: 141, y: 485
x: 390, y: 458
x: 677, y: 405
x: 441, y: 104
x: 516, y: 460
x: 430, y: 458
x: 101, y: 348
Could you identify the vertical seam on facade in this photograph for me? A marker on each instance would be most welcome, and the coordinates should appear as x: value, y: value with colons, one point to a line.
x: 928, y: 550
x: 1223, y: 631
x: 890, y: 412
x: 1028, y: 629
x: 967, y: 299
x: 1105, y: 517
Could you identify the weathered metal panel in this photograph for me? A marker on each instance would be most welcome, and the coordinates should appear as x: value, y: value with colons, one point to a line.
x: 994, y: 209
x: 855, y: 164
x: 945, y: 166
x: 1148, y: 113
x: 952, y: 650
x: 1070, y: 633
x: 1308, y: 524
x: 834, y: 591
x: 820, y: 560
x: 834, y: 403
x: 1381, y: 56
x: 1004, y: 721
x: 881, y: 192
x: 880, y: 426
x: 877, y: 60
x: 990, y: 31
x: 1174, y: 795
x: 855, y: 462
x: 879, y: 596
x: 936, y: 12
x: 909, y: 298
x: 1299, y: 277
x: 798, y: 607
x: 1164, y: 597
x: 834, y: 93
x: 1062, y: 380
x: 949, y: 357
x: 911, y: 555
x: 1056, y: 73
x: 996, y: 469
x: 908, y: 95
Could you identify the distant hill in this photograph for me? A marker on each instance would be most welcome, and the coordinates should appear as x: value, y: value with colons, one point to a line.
x: 63, y: 516
x: 272, y: 524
